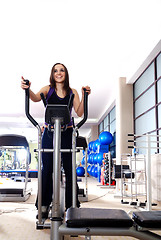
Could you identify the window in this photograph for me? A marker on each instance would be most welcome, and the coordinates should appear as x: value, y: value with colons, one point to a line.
x: 142, y: 143
x: 159, y: 90
x: 100, y: 127
x: 147, y: 103
x: 113, y: 127
x: 159, y: 66
x: 106, y: 123
x: 112, y: 115
x: 145, y: 80
x: 145, y: 123
x: 109, y: 124
x: 159, y: 139
x: 159, y: 116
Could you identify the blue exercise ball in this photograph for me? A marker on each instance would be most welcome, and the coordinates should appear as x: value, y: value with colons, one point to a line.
x: 88, y: 151
x: 95, y: 159
x: 90, y: 145
x: 105, y: 138
x: 80, y: 171
x: 100, y: 158
x: 88, y: 169
x: 95, y: 172
x: 95, y: 145
x: 83, y: 161
x: 88, y: 158
x: 91, y: 171
x: 91, y: 158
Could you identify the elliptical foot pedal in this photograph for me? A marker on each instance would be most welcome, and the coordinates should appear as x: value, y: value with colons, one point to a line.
x: 81, y: 192
x: 154, y: 204
x: 124, y: 202
x: 142, y: 204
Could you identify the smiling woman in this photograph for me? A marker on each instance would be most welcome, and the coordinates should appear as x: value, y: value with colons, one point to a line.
x: 58, y: 92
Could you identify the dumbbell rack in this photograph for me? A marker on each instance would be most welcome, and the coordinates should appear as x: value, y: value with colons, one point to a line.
x: 107, y: 170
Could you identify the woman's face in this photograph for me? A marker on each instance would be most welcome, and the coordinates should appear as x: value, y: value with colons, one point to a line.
x: 59, y: 73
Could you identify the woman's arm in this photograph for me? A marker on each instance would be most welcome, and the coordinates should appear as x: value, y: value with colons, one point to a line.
x: 34, y: 97
x: 77, y: 104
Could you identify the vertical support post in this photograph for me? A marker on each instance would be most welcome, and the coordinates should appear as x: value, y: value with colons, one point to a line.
x: 131, y: 179
x: 56, y: 169
x: 122, y: 193
x: 148, y: 170
x: 135, y: 180
x: 27, y: 164
x: 109, y: 160
x: 74, y: 176
x: 86, y: 184
x: 56, y: 219
x: 39, y: 178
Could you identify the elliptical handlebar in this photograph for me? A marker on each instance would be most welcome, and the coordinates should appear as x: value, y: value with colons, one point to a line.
x: 33, y: 121
x: 70, y: 104
x: 43, y: 99
x: 85, y: 109
x: 27, y: 97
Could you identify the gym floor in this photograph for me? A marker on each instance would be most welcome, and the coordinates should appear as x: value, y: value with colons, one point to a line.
x: 17, y: 219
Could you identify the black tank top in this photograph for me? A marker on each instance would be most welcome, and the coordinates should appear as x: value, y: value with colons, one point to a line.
x: 53, y: 98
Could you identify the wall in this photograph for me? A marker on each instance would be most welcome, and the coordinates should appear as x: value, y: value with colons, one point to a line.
x: 156, y: 176
x: 124, y: 116
x: 94, y: 133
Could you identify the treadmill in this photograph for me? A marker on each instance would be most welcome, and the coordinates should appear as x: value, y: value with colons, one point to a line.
x: 14, y: 188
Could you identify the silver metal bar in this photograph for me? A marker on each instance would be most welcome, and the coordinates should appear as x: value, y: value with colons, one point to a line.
x: 135, y: 180
x: 145, y: 176
x: 143, y: 135
x: 95, y: 231
x: 148, y: 170
x: 56, y: 220
x: 11, y: 147
x: 56, y: 170
x: 74, y: 175
x: 27, y: 167
x: 39, y: 178
x: 131, y: 177
x: 140, y: 141
x: 54, y: 233
x: 147, y: 147
x: 61, y: 150
x: 86, y: 182
x: 122, y: 189
x: 109, y: 168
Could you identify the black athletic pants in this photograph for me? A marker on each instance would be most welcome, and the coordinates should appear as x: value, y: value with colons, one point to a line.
x: 47, y: 161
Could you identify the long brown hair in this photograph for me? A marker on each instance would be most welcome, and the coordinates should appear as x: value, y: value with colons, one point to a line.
x: 66, y: 86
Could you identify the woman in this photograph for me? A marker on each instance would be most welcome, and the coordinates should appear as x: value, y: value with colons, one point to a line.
x: 58, y: 92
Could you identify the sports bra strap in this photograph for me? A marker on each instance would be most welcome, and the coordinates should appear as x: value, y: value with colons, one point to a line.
x: 51, y: 90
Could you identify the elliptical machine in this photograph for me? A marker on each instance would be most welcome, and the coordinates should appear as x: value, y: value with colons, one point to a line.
x: 57, y: 117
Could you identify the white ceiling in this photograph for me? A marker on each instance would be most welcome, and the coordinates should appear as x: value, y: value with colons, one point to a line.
x: 98, y: 41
